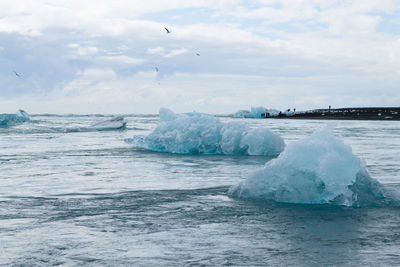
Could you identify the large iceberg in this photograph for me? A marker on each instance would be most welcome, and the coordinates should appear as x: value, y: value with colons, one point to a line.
x: 320, y: 169
x: 198, y: 133
x: 114, y: 123
x: 19, y: 117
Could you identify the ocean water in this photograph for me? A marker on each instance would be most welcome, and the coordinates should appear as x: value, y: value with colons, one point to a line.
x: 91, y: 198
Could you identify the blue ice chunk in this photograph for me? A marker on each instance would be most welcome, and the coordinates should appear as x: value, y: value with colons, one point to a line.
x: 320, y: 169
x: 198, y: 133
x: 243, y: 114
x: 19, y: 117
x: 256, y: 112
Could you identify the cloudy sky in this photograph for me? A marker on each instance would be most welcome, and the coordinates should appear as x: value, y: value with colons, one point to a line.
x: 101, y: 56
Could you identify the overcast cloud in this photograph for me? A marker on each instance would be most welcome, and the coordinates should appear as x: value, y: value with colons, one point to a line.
x: 101, y: 56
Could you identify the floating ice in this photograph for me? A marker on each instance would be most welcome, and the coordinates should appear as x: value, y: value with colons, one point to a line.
x: 197, y: 133
x: 19, y: 117
x: 317, y: 170
x: 272, y: 112
x: 110, y: 124
x: 114, y: 123
x: 256, y: 112
x: 243, y: 114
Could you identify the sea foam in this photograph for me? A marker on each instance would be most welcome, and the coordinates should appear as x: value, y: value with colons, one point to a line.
x: 199, y: 133
x: 320, y: 169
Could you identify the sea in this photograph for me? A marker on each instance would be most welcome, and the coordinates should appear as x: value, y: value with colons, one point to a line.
x: 90, y: 198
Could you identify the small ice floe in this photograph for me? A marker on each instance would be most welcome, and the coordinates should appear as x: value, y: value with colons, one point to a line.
x: 320, y: 169
x: 114, y: 123
x: 19, y: 117
x: 22, y: 114
x: 199, y: 133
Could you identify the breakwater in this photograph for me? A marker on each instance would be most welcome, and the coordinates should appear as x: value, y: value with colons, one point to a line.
x: 367, y: 113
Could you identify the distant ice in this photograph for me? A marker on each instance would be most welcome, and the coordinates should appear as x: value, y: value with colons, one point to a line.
x: 256, y: 112
x: 243, y: 114
x: 320, y: 169
x: 114, y: 123
x: 198, y: 133
x: 19, y: 117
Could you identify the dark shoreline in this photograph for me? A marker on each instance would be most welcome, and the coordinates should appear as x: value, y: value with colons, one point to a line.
x: 369, y: 113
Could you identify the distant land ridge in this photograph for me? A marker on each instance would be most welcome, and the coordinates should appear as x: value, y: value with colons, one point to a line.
x: 367, y: 113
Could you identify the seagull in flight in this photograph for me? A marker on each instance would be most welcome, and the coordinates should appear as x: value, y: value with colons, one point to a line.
x: 16, y: 74
x: 168, y: 31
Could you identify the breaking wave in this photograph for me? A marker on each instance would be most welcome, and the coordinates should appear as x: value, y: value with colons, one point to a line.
x: 198, y: 133
x: 320, y: 169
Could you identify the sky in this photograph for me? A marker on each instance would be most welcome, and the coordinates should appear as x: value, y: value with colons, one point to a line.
x: 101, y: 56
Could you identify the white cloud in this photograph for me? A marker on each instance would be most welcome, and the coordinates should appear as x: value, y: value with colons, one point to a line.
x: 290, y: 12
x: 347, y: 22
x: 155, y: 50
x: 276, y: 53
x: 394, y: 51
x: 120, y: 59
x: 176, y: 52
x: 83, y: 50
x: 99, y: 74
x: 116, y: 17
x: 89, y: 50
x: 102, y: 90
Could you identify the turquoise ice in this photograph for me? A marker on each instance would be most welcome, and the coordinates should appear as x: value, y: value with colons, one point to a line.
x: 319, y: 169
x: 256, y: 112
x: 198, y: 133
x: 19, y: 117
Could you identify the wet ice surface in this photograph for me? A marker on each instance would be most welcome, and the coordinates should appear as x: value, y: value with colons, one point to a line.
x: 7, y: 120
x: 318, y: 169
x: 90, y: 198
x: 198, y: 133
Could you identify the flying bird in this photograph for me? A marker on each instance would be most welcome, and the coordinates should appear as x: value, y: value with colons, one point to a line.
x: 16, y: 73
x: 168, y: 31
x: 197, y: 54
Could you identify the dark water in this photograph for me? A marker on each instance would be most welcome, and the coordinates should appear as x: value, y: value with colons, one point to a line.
x: 91, y: 199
